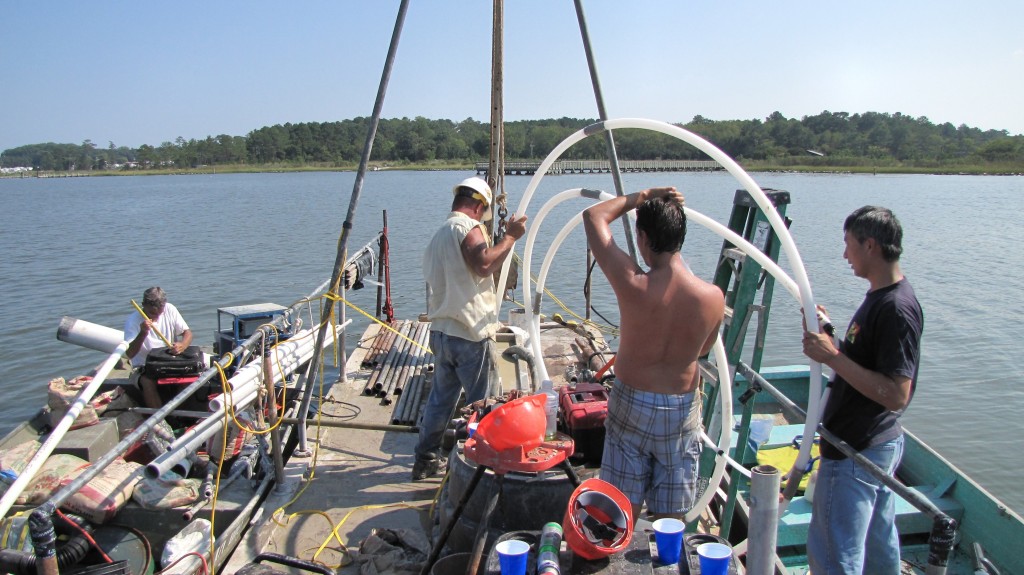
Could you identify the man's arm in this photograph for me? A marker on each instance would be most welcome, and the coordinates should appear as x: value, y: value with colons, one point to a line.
x: 892, y: 393
x: 597, y: 219
x: 484, y: 260
x: 136, y: 343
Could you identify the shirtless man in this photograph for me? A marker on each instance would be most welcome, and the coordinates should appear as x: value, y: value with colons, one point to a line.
x: 669, y: 318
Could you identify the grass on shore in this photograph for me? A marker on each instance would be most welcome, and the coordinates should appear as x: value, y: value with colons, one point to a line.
x: 750, y: 165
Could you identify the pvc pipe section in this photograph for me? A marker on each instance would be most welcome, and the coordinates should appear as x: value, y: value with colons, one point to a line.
x: 287, y: 356
x: 764, y: 512
x: 89, y: 335
x: 778, y: 226
x: 37, y: 461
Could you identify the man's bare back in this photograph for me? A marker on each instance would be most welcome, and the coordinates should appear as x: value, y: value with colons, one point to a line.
x: 668, y: 316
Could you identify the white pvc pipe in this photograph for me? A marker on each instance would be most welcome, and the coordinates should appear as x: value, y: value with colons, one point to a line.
x: 37, y: 461
x: 287, y: 356
x: 755, y: 191
x: 532, y: 322
x: 724, y: 377
x: 89, y: 335
x: 210, y: 427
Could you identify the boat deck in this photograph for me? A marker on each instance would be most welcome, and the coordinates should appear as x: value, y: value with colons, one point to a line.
x: 361, y: 477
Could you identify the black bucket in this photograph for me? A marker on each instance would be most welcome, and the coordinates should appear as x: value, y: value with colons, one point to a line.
x: 692, y: 561
x: 527, y: 502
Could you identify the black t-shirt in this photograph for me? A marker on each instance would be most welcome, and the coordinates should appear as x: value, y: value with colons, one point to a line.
x: 884, y: 336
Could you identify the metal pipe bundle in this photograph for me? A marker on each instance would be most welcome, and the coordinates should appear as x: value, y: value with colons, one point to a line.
x: 391, y: 370
x: 413, y: 353
x: 411, y: 380
x: 371, y: 381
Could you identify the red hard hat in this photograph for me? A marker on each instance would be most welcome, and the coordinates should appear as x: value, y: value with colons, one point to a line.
x: 598, y: 520
x: 519, y: 422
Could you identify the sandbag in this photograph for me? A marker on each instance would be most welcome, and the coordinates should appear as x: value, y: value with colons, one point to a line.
x: 63, y: 393
x: 160, y: 363
x: 159, y: 494
x: 14, y: 460
x: 101, y: 499
x: 58, y: 468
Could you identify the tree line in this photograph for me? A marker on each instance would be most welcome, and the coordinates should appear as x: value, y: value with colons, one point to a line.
x: 825, y: 139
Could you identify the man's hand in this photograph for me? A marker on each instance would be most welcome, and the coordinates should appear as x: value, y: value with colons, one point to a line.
x: 515, y: 226
x: 177, y: 348
x: 819, y: 347
x: 670, y: 192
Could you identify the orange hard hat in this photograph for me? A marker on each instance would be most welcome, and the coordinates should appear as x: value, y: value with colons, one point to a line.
x: 598, y: 520
x: 520, y: 422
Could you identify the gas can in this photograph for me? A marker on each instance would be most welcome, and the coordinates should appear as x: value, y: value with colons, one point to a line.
x: 584, y: 411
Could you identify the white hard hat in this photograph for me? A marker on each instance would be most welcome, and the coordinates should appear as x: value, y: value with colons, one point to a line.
x: 482, y: 192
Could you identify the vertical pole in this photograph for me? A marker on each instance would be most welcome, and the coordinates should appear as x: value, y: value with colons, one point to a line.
x: 587, y: 284
x: 613, y: 158
x: 275, y: 434
x: 346, y: 226
x: 495, y: 166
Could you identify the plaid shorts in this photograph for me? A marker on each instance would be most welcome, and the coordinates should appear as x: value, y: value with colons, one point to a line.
x: 652, y: 447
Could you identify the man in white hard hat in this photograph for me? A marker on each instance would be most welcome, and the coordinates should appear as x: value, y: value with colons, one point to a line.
x: 458, y: 266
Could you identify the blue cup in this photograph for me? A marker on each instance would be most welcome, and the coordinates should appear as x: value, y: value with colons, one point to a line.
x: 668, y: 534
x: 512, y: 555
x: 714, y: 558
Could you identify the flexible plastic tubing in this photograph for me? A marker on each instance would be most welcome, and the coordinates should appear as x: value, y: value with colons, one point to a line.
x: 778, y: 226
x: 724, y: 378
x: 532, y: 318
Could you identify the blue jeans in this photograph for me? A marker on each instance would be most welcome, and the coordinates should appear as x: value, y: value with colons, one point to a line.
x: 459, y: 364
x: 853, y: 521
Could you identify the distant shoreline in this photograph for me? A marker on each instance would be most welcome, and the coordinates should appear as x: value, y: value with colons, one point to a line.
x: 755, y: 166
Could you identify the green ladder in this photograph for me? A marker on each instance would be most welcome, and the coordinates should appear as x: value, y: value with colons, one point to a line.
x: 748, y: 291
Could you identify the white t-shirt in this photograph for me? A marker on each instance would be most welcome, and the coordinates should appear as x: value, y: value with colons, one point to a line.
x: 170, y: 323
x: 459, y: 303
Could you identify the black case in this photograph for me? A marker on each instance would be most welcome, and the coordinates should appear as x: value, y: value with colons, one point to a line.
x: 160, y: 363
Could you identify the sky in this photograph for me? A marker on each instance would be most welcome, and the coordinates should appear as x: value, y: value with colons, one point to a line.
x: 134, y: 73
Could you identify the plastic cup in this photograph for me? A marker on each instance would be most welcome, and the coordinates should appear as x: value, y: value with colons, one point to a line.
x: 714, y: 558
x: 668, y: 534
x: 472, y: 428
x: 512, y: 554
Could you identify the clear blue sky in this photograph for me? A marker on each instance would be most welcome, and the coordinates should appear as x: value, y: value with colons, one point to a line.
x: 136, y: 73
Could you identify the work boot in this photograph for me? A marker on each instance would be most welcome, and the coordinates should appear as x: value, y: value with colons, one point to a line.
x: 429, y: 467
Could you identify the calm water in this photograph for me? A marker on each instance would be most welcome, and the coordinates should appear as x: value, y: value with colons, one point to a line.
x: 85, y: 246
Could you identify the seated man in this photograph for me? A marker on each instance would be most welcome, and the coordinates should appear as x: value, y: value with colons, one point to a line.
x: 141, y: 333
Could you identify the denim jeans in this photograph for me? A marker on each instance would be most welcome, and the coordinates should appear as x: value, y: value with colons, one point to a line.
x: 853, y: 522
x: 459, y: 364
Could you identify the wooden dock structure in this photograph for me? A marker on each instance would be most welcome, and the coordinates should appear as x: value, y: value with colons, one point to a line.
x: 529, y: 168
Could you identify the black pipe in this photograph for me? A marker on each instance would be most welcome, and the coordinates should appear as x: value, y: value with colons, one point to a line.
x: 68, y: 554
x: 293, y: 562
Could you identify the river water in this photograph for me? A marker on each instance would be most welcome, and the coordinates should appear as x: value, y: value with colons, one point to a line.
x: 84, y: 247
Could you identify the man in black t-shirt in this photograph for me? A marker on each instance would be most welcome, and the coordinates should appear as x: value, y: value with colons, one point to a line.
x: 853, y: 526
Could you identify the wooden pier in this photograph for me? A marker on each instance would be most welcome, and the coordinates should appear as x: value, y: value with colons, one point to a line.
x: 604, y: 166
